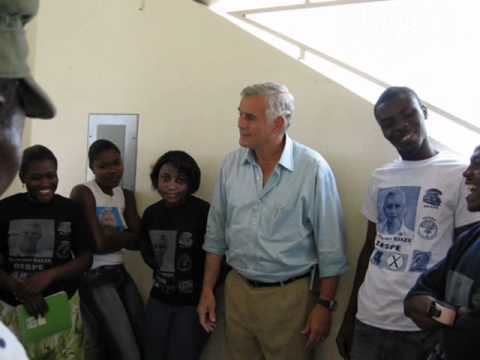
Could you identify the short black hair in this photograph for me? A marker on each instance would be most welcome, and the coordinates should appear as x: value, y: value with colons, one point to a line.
x: 184, y: 164
x: 98, y: 147
x: 394, y: 91
x: 35, y: 153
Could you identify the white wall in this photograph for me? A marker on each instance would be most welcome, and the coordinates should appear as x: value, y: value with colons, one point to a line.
x: 181, y: 68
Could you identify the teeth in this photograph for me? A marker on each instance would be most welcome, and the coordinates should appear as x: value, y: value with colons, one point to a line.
x: 45, y: 191
x: 471, y: 188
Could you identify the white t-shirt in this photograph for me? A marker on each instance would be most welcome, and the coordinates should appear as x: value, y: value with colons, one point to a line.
x: 10, y: 347
x: 109, y: 211
x: 420, y: 203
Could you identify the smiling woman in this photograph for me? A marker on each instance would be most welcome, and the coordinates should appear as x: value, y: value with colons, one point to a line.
x: 44, y: 247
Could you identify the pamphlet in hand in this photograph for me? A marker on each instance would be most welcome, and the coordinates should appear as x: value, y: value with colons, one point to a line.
x: 57, y: 319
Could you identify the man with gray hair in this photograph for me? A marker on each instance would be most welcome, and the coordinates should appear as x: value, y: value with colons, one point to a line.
x: 20, y: 96
x: 276, y: 216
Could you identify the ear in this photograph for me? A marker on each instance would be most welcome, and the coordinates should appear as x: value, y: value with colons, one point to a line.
x: 280, y: 123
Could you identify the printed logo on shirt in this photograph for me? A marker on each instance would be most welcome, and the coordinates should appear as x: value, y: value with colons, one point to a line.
x: 432, y: 198
x: 428, y: 228
x: 167, y: 289
x: 420, y: 260
x: 20, y: 275
x: 110, y: 216
x: 164, y: 243
x: 31, y: 238
x: 396, y: 261
x: 184, y: 263
x: 388, y: 246
x: 63, y: 250
x: 376, y: 258
x: 397, y: 211
x: 185, y: 287
x: 388, y: 260
x: 64, y: 228
x: 185, y: 239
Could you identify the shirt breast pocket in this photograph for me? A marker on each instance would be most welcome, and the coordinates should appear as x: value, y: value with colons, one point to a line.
x: 283, y: 219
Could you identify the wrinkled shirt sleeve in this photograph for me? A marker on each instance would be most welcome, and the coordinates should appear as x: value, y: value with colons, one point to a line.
x: 215, y: 242
x: 329, y: 231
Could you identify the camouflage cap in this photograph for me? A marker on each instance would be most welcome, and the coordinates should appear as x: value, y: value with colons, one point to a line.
x: 14, y: 14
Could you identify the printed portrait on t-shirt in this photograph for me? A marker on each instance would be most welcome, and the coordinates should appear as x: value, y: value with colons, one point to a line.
x: 164, y: 246
x: 31, y: 238
x: 397, y: 213
x: 110, y: 216
x: 397, y: 210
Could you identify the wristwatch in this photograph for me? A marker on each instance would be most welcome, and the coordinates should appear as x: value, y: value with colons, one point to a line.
x: 329, y: 304
x: 442, y: 313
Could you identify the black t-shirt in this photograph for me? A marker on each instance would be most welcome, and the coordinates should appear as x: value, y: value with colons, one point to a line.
x: 172, y: 238
x: 35, y: 237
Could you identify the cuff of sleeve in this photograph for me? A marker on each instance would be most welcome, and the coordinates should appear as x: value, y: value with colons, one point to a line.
x: 332, y: 267
x: 214, y: 250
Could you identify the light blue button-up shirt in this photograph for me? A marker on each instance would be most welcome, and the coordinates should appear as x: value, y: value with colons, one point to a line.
x: 274, y: 232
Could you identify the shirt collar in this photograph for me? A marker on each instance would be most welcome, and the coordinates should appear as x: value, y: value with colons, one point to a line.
x: 286, y: 159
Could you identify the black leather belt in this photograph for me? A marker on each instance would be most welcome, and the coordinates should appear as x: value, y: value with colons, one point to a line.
x: 260, y: 284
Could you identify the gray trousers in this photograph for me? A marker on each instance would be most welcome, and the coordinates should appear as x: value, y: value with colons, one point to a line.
x: 112, y: 309
x: 172, y: 332
x: 373, y: 343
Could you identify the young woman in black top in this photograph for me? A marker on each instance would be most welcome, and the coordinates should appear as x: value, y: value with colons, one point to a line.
x: 44, y: 248
x: 172, y: 237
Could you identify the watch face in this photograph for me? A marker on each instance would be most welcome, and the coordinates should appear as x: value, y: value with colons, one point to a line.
x: 329, y: 304
x: 433, y: 311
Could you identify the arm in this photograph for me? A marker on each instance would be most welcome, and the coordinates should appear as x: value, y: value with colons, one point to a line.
x: 319, y: 320
x: 80, y: 243
x: 146, y: 248
x: 214, y: 246
x: 418, y: 301
x: 326, y: 216
x: 345, y: 334
x: 105, y: 240
x: 429, y: 287
x: 133, y: 222
x: 29, y: 292
x: 33, y: 302
x: 206, y: 306
x: 38, y: 282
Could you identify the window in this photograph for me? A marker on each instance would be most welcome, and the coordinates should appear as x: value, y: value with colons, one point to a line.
x: 366, y: 45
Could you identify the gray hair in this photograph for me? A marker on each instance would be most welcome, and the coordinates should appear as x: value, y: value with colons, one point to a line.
x: 280, y: 102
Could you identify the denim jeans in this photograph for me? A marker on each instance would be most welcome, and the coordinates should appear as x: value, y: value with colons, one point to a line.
x: 112, y: 309
x: 372, y: 343
x: 172, y: 332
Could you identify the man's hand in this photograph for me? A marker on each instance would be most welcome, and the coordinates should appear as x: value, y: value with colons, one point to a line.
x: 345, y: 335
x: 417, y: 308
x: 318, y: 325
x: 206, y: 310
x: 38, y: 282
